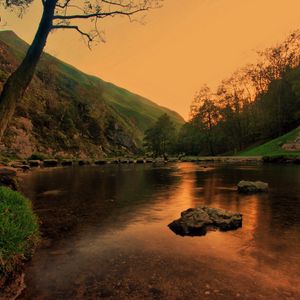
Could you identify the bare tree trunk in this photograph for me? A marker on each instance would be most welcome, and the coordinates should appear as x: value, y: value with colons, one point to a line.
x: 15, y: 86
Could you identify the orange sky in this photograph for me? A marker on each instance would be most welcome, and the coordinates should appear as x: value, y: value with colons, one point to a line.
x: 183, y: 45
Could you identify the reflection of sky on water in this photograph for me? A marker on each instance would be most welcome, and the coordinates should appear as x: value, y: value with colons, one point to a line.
x: 123, y: 213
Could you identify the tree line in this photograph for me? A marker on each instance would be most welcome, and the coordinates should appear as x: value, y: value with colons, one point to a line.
x: 256, y: 103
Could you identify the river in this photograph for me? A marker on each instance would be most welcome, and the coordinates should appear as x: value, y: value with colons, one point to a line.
x: 105, y: 233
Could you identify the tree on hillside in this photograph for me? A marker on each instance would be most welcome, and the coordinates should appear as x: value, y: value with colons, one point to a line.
x: 256, y: 103
x: 160, y: 139
x: 205, y: 115
x: 59, y: 14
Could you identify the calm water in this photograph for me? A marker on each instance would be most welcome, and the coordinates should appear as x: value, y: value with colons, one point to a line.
x: 106, y: 236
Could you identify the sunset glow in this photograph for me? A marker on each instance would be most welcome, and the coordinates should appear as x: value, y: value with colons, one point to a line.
x: 181, y: 46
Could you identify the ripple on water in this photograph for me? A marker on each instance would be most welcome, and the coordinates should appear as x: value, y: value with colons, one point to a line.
x: 123, y: 249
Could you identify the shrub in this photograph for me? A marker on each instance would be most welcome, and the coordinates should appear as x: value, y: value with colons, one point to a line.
x: 19, y: 232
x: 37, y: 156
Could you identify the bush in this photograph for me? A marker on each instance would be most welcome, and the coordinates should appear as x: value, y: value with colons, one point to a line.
x: 37, y: 156
x: 19, y: 231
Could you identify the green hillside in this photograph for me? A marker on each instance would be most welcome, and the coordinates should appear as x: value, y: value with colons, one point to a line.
x: 121, y: 116
x: 274, y: 147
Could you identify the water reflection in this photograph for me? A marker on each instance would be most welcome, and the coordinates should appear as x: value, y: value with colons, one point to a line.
x: 118, y: 245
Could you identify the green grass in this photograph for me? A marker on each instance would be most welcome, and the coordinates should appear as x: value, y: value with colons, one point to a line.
x: 274, y: 147
x: 19, y: 231
x: 133, y: 111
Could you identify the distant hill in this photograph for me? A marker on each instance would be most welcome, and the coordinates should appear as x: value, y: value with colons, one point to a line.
x: 69, y: 113
x: 287, y: 144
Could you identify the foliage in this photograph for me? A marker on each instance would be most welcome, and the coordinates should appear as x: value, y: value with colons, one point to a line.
x: 257, y: 103
x: 18, y: 229
x: 37, y: 156
x: 161, y: 138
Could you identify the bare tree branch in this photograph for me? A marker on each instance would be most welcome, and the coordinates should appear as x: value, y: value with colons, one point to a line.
x: 115, y: 3
x: 99, y: 15
x: 89, y: 36
x: 95, y: 10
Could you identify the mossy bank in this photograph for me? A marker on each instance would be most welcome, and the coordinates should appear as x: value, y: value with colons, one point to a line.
x: 19, y: 235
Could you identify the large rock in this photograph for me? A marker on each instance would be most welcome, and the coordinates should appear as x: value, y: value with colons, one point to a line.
x: 197, y: 221
x: 20, y: 165
x: 295, y: 146
x: 252, y: 187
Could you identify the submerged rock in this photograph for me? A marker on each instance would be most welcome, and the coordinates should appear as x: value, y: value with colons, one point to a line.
x: 140, y: 161
x: 197, y: 221
x: 34, y: 163
x: 116, y: 161
x: 50, y: 163
x: 252, y: 187
x: 149, y: 160
x: 67, y: 162
x: 83, y: 162
x: 100, y: 162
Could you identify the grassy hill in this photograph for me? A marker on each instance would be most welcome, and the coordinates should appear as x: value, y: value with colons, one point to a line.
x: 73, y: 112
x: 274, y: 147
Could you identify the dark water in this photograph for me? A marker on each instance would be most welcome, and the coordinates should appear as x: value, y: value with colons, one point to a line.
x: 106, y: 236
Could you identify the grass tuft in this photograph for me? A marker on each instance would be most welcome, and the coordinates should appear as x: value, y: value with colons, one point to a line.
x: 19, y: 232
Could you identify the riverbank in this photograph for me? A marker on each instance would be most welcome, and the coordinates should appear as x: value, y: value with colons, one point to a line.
x: 19, y: 235
x: 24, y: 165
x: 20, y: 167
x: 17, y: 168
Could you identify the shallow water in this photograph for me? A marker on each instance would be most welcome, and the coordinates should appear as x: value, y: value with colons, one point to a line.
x: 106, y: 236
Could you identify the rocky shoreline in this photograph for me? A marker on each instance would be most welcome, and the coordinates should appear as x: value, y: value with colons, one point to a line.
x: 25, y: 165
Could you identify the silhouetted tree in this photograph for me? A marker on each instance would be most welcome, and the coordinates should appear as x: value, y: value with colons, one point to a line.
x: 160, y: 139
x: 205, y: 115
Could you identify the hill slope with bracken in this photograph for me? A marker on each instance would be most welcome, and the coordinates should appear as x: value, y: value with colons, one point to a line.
x: 69, y: 113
